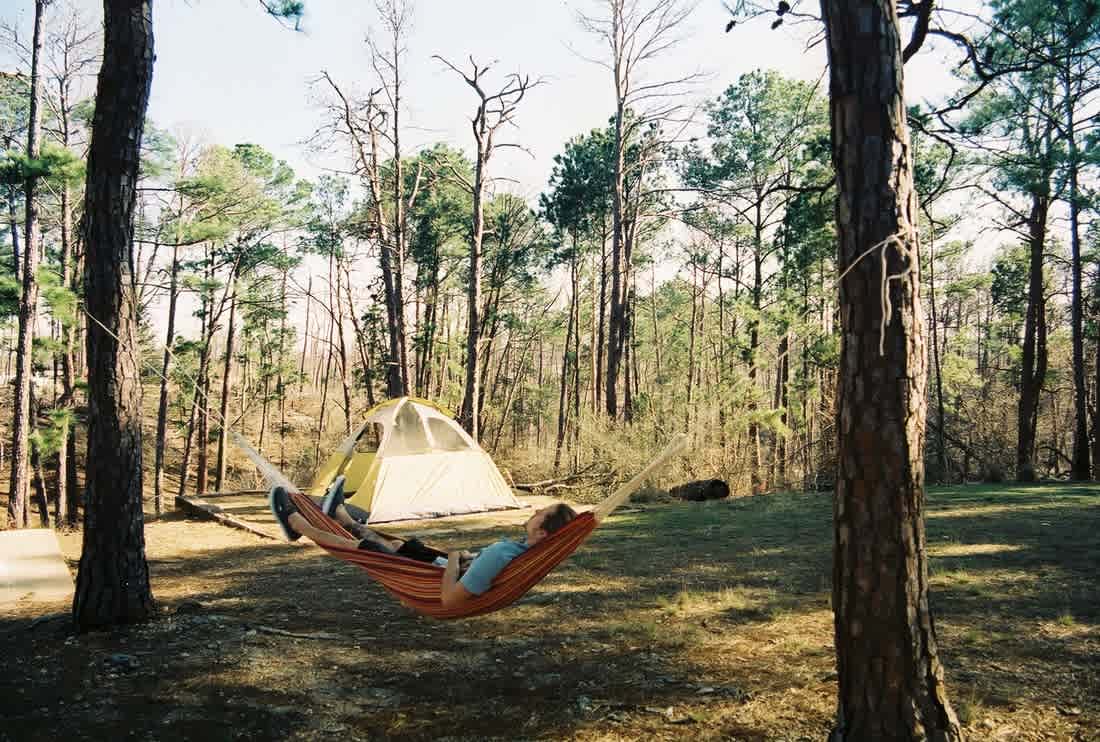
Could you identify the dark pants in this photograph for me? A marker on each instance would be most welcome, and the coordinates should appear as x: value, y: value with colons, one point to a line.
x: 414, y: 548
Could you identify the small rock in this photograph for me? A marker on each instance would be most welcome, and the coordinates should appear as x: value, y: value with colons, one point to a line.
x: 1069, y: 711
x: 706, y: 690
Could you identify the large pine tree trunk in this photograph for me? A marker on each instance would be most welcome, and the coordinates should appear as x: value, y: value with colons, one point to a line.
x: 28, y: 301
x: 890, y: 679
x: 112, y: 584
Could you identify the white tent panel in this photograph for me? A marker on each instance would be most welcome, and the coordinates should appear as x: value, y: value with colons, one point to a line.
x: 438, y: 483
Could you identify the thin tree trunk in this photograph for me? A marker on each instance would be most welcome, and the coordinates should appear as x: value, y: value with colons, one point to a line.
x: 593, y: 344
x: 563, y: 387
x: 1081, y: 469
x: 343, y: 348
x: 305, y: 337
x: 28, y: 301
x: 162, y: 405
x: 576, y: 363
x: 1034, y: 361
x: 615, y: 321
x: 941, y: 446
x: 691, y: 344
x: 1096, y: 410
x: 67, y: 495
x: 601, y: 331
x: 13, y: 226
x: 223, y: 407
x: 757, y: 465
x: 39, y: 484
x: 890, y: 680
x: 112, y: 583
x: 471, y: 413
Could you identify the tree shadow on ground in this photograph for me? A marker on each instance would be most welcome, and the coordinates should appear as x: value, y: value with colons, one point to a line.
x: 708, y: 620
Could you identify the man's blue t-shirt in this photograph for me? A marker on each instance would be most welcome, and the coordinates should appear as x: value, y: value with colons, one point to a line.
x: 489, y: 564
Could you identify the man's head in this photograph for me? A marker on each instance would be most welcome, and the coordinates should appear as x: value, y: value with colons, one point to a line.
x: 546, y: 521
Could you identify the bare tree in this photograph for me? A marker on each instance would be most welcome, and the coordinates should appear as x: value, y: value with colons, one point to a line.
x: 371, y: 126
x: 494, y: 111
x: 636, y: 33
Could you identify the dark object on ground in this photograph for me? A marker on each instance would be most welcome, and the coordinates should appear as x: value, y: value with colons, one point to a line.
x: 704, y: 489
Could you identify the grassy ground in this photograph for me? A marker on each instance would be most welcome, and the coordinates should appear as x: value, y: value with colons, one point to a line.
x: 708, y: 621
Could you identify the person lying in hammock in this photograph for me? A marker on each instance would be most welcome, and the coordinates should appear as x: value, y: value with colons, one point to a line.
x: 465, y: 576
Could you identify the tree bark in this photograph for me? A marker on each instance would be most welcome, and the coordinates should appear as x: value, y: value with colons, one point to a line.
x: 112, y: 584
x: 890, y: 680
x: 28, y: 301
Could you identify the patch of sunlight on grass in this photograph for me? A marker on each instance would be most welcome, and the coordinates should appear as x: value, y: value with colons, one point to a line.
x: 962, y: 550
x: 649, y: 632
x: 1007, y: 508
x: 976, y: 636
x: 1066, y: 619
x: 597, y: 583
x: 695, y: 602
x: 957, y: 576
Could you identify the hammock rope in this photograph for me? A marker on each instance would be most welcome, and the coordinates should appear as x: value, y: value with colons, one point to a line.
x: 418, y: 585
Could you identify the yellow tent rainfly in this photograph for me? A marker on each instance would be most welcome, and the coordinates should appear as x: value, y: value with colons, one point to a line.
x: 409, y: 459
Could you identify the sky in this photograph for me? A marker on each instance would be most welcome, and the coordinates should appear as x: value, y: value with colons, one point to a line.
x: 228, y: 73
x: 232, y: 74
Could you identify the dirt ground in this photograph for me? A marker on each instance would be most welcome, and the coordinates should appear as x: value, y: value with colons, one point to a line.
x: 696, y: 620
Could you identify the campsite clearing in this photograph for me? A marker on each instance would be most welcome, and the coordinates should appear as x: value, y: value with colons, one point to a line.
x: 709, y: 620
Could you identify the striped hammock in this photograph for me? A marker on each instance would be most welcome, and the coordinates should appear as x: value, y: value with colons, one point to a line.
x: 418, y: 585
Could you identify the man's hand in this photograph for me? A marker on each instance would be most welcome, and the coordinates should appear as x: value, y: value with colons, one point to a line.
x: 452, y: 593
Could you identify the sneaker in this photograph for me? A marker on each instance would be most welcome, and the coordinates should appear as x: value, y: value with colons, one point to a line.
x: 334, y: 496
x: 282, y: 508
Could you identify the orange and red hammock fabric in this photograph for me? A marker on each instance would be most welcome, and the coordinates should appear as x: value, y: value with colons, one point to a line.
x: 417, y: 584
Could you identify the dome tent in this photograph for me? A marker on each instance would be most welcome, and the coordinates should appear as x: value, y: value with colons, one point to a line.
x: 409, y: 459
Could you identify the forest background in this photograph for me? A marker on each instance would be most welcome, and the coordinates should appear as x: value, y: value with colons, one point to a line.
x: 577, y: 269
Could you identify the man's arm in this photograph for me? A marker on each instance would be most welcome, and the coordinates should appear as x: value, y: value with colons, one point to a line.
x: 453, y: 593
